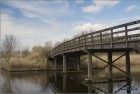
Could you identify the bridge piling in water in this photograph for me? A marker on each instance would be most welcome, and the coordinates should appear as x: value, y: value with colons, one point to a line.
x: 128, y: 71
x: 55, y: 64
x: 89, y: 66
x: 64, y: 63
x: 110, y: 69
x: 78, y: 63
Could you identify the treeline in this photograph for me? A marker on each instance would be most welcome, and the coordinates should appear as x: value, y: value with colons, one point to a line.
x: 14, y: 56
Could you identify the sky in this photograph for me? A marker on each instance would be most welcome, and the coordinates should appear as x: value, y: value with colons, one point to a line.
x: 34, y: 22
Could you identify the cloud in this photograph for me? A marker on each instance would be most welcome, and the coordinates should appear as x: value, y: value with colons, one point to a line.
x: 99, y: 5
x: 105, y: 2
x: 40, y: 9
x: 79, y: 1
x: 34, y: 35
x: 10, y: 26
x: 91, y: 9
x: 40, y: 21
x: 131, y: 8
x: 89, y: 27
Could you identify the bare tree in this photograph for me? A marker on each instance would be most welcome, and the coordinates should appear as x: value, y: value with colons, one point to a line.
x: 9, y: 46
x: 57, y: 43
x: 48, y: 45
x: 25, y: 52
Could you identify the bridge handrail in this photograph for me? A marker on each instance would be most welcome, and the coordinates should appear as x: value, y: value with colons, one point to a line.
x: 83, y: 40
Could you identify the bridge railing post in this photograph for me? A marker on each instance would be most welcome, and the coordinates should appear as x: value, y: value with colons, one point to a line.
x: 79, y: 42
x: 74, y: 44
x: 92, y: 40
x: 126, y: 36
x: 85, y: 41
x: 112, y: 38
x: 101, y: 39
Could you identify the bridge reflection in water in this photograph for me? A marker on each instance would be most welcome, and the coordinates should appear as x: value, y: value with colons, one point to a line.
x: 55, y: 82
x: 73, y: 83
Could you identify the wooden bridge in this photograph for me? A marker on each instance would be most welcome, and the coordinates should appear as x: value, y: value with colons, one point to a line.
x: 121, y: 38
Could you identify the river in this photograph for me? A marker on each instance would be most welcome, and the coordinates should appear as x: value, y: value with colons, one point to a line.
x: 55, y: 82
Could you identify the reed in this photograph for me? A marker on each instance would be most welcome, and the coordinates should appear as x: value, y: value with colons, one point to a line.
x: 23, y: 64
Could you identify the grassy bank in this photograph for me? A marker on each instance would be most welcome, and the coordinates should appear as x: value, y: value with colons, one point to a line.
x: 23, y: 64
x: 37, y: 63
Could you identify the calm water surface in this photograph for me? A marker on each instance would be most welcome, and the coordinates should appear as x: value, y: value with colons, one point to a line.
x: 51, y: 83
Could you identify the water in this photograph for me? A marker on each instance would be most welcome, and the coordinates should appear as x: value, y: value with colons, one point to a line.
x: 52, y: 82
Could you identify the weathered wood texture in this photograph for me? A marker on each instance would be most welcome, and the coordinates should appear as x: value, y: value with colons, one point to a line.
x: 121, y: 36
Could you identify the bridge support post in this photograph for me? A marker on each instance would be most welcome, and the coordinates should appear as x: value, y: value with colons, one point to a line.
x: 55, y: 77
x: 89, y: 66
x: 128, y: 71
x: 64, y: 63
x: 110, y: 65
x: 89, y: 88
x: 55, y: 64
x: 110, y: 87
x: 78, y: 63
x: 64, y: 82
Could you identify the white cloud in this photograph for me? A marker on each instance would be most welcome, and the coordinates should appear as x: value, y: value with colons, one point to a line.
x: 131, y: 8
x: 79, y: 1
x: 9, y: 26
x: 41, y: 21
x: 105, y: 2
x: 99, y: 5
x: 41, y: 9
x: 34, y: 35
x: 88, y: 27
x: 29, y: 9
x: 91, y: 9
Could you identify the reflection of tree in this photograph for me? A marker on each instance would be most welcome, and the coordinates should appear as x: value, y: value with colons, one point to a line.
x: 7, y: 86
x: 12, y: 82
x: 44, y: 82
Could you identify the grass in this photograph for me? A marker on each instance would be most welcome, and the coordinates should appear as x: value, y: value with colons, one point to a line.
x: 34, y: 63
x: 23, y: 64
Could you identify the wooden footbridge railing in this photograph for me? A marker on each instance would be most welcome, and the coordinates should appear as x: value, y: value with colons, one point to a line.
x: 121, y: 36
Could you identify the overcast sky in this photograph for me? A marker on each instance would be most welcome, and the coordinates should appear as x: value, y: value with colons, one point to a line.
x: 36, y: 21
